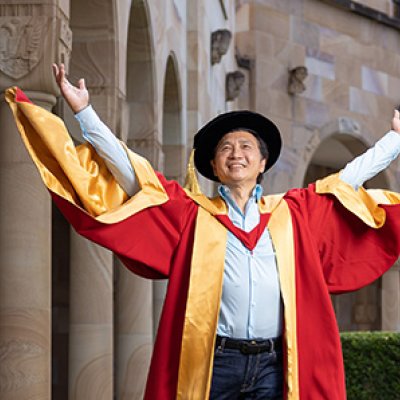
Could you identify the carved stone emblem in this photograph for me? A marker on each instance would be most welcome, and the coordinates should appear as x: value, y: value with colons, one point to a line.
x: 349, y: 125
x: 21, y: 44
x: 233, y: 85
x: 220, y: 41
x: 296, y: 80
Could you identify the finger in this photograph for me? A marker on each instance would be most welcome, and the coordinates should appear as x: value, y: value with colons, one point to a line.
x: 55, y: 69
x: 81, y: 84
x: 56, y: 73
x: 62, y: 72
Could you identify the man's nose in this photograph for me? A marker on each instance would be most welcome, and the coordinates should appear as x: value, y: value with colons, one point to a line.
x: 236, y: 152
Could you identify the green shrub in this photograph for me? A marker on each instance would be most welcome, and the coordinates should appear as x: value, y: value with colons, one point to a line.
x: 372, y: 365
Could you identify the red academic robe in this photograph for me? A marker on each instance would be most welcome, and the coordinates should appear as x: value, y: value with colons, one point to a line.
x: 328, y: 239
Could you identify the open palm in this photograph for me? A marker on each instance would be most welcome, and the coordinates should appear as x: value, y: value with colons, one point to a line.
x: 77, y: 97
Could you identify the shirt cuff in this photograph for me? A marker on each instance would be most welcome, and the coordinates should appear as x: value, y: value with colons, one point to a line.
x: 88, y: 118
x: 391, y: 142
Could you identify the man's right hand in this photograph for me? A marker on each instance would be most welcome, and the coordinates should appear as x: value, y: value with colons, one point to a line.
x: 77, y: 97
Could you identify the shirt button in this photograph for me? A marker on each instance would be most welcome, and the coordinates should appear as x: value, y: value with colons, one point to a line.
x: 253, y: 304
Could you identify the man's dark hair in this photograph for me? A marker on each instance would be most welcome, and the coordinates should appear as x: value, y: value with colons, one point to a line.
x: 261, y: 145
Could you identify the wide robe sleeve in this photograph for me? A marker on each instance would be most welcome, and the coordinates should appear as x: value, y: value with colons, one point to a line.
x: 143, y: 230
x: 356, y: 233
x: 340, y: 240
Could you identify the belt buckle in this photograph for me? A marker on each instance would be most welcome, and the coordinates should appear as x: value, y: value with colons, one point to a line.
x: 253, y: 347
x: 249, y: 347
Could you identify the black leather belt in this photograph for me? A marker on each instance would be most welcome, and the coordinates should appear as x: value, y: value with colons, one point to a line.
x: 249, y: 346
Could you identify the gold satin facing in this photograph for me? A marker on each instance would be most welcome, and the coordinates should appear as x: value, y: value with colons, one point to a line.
x: 358, y: 202
x: 78, y: 174
x: 281, y: 229
x: 362, y: 203
x: 205, y: 289
x: 202, y: 308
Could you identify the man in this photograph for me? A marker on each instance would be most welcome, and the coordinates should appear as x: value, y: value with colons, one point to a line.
x: 230, y: 260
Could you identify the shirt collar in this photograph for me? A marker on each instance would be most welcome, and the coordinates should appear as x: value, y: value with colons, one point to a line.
x: 225, y: 192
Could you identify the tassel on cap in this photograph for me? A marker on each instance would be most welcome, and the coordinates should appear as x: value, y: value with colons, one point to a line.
x: 191, y: 182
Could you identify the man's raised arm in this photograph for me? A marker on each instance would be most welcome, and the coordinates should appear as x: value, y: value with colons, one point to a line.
x: 376, y: 159
x: 96, y: 132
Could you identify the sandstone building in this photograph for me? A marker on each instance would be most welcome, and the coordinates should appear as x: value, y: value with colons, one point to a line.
x: 73, y: 322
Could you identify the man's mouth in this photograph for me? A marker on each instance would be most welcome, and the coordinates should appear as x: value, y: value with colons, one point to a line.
x: 236, y: 165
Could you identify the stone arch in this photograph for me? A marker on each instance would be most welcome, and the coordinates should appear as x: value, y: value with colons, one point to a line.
x: 333, y: 153
x: 141, y: 98
x: 345, y: 134
x: 338, y: 143
x: 172, y: 134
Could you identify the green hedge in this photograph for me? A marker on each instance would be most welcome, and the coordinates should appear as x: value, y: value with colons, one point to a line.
x: 372, y: 365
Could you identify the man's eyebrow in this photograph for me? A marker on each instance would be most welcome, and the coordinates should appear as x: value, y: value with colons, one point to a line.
x: 222, y: 143
x: 228, y: 141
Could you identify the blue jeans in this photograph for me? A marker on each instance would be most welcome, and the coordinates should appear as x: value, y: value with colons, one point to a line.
x: 239, y: 376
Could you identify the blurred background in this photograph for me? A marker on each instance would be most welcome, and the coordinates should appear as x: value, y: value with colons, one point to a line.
x: 73, y: 322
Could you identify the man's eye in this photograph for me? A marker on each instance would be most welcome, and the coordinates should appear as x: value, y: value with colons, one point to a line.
x: 224, y: 148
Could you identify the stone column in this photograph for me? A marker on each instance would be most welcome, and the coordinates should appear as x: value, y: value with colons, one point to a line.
x: 91, y: 321
x: 33, y: 36
x: 91, y: 353
x: 134, y: 326
x: 391, y: 299
x: 366, y: 308
x: 25, y: 267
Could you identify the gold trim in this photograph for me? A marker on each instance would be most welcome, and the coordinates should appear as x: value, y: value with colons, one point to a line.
x: 205, y: 289
x: 151, y: 194
x: 384, y: 196
x: 281, y: 230
x: 215, y: 205
x: 269, y: 203
x: 78, y: 174
x: 359, y: 202
x: 202, y: 309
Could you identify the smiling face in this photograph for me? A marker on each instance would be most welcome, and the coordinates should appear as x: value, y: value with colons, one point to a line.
x: 238, y: 159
